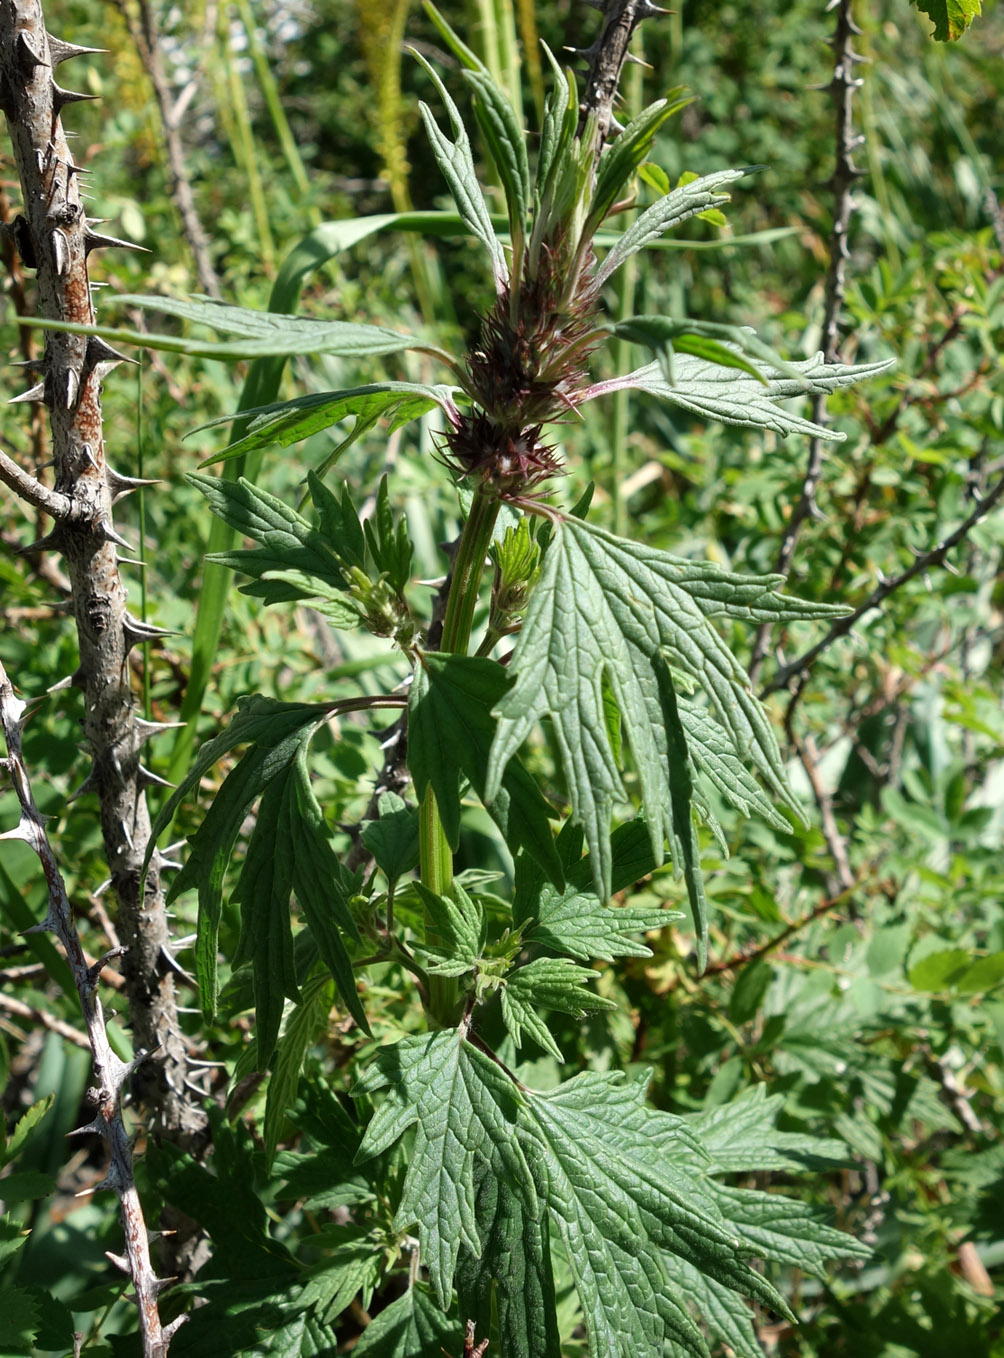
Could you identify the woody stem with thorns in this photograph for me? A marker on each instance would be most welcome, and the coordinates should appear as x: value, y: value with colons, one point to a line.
x: 55, y: 239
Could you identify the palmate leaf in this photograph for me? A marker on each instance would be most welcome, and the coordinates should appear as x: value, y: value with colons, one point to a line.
x: 548, y: 983
x: 463, y: 1107
x: 739, y: 398
x: 411, y: 1327
x: 608, y: 612
x: 621, y: 1207
x: 287, y: 422
x: 450, y: 731
x: 575, y: 921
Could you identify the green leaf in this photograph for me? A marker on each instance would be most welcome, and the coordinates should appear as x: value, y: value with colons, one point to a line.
x: 938, y: 970
x: 20, y: 1321
x: 262, y: 333
x: 549, y: 983
x: 576, y: 921
x: 325, y: 1174
x: 702, y: 339
x: 506, y: 141
x: 790, y: 1232
x: 611, y: 610
x: 462, y: 1106
x: 304, y: 1024
x: 263, y: 891
x: 13, y: 1235
x: 212, y: 844
x: 626, y: 1186
x: 323, y: 889
x: 286, y: 422
x: 622, y: 157
x: 355, y: 1266
x: 275, y: 731
x: 392, y: 839
x: 450, y: 729
x: 511, y: 1270
x: 737, y: 398
x: 289, y: 542
x: 742, y: 1137
x: 984, y: 974
x: 458, y: 926
x: 951, y: 18
x: 388, y: 542
x: 227, y: 1202
x: 685, y: 201
x: 26, y: 1124
x: 411, y: 1327
x: 457, y: 165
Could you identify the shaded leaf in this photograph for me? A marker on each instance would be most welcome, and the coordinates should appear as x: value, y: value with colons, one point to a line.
x: 450, y: 729
x: 411, y: 1327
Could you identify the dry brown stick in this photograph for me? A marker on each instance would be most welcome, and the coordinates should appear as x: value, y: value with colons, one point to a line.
x: 842, y: 86
x: 42, y: 1019
x: 110, y: 1072
x: 144, y: 29
x: 55, y: 238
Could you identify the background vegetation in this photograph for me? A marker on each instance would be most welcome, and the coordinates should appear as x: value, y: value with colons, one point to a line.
x: 857, y: 963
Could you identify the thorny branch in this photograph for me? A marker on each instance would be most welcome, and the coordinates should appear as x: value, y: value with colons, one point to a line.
x: 110, y: 1072
x: 794, y: 669
x: 843, y: 85
x: 54, y: 238
x: 606, y: 57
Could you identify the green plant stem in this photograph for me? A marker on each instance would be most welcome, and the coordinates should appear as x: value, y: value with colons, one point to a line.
x: 435, y: 856
x: 245, y: 148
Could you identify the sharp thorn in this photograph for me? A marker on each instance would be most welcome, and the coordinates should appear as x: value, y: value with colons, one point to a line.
x: 95, y: 1128
x: 61, y: 97
x: 147, y: 778
x: 34, y: 394
x: 60, y: 51
x: 74, y: 680
x: 90, y: 784
x: 60, y: 252
x: 120, y: 485
x: 49, y: 543
x: 71, y: 384
x: 98, y: 351
x: 144, y: 631
x: 120, y: 1262
x: 146, y: 730
x: 105, y: 530
x: 94, y: 240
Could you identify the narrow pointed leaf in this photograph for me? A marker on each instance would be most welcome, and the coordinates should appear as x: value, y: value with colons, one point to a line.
x: 669, y: 212
x: 506, y: 142
x: 286, y: 422
x: 457, y: 165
